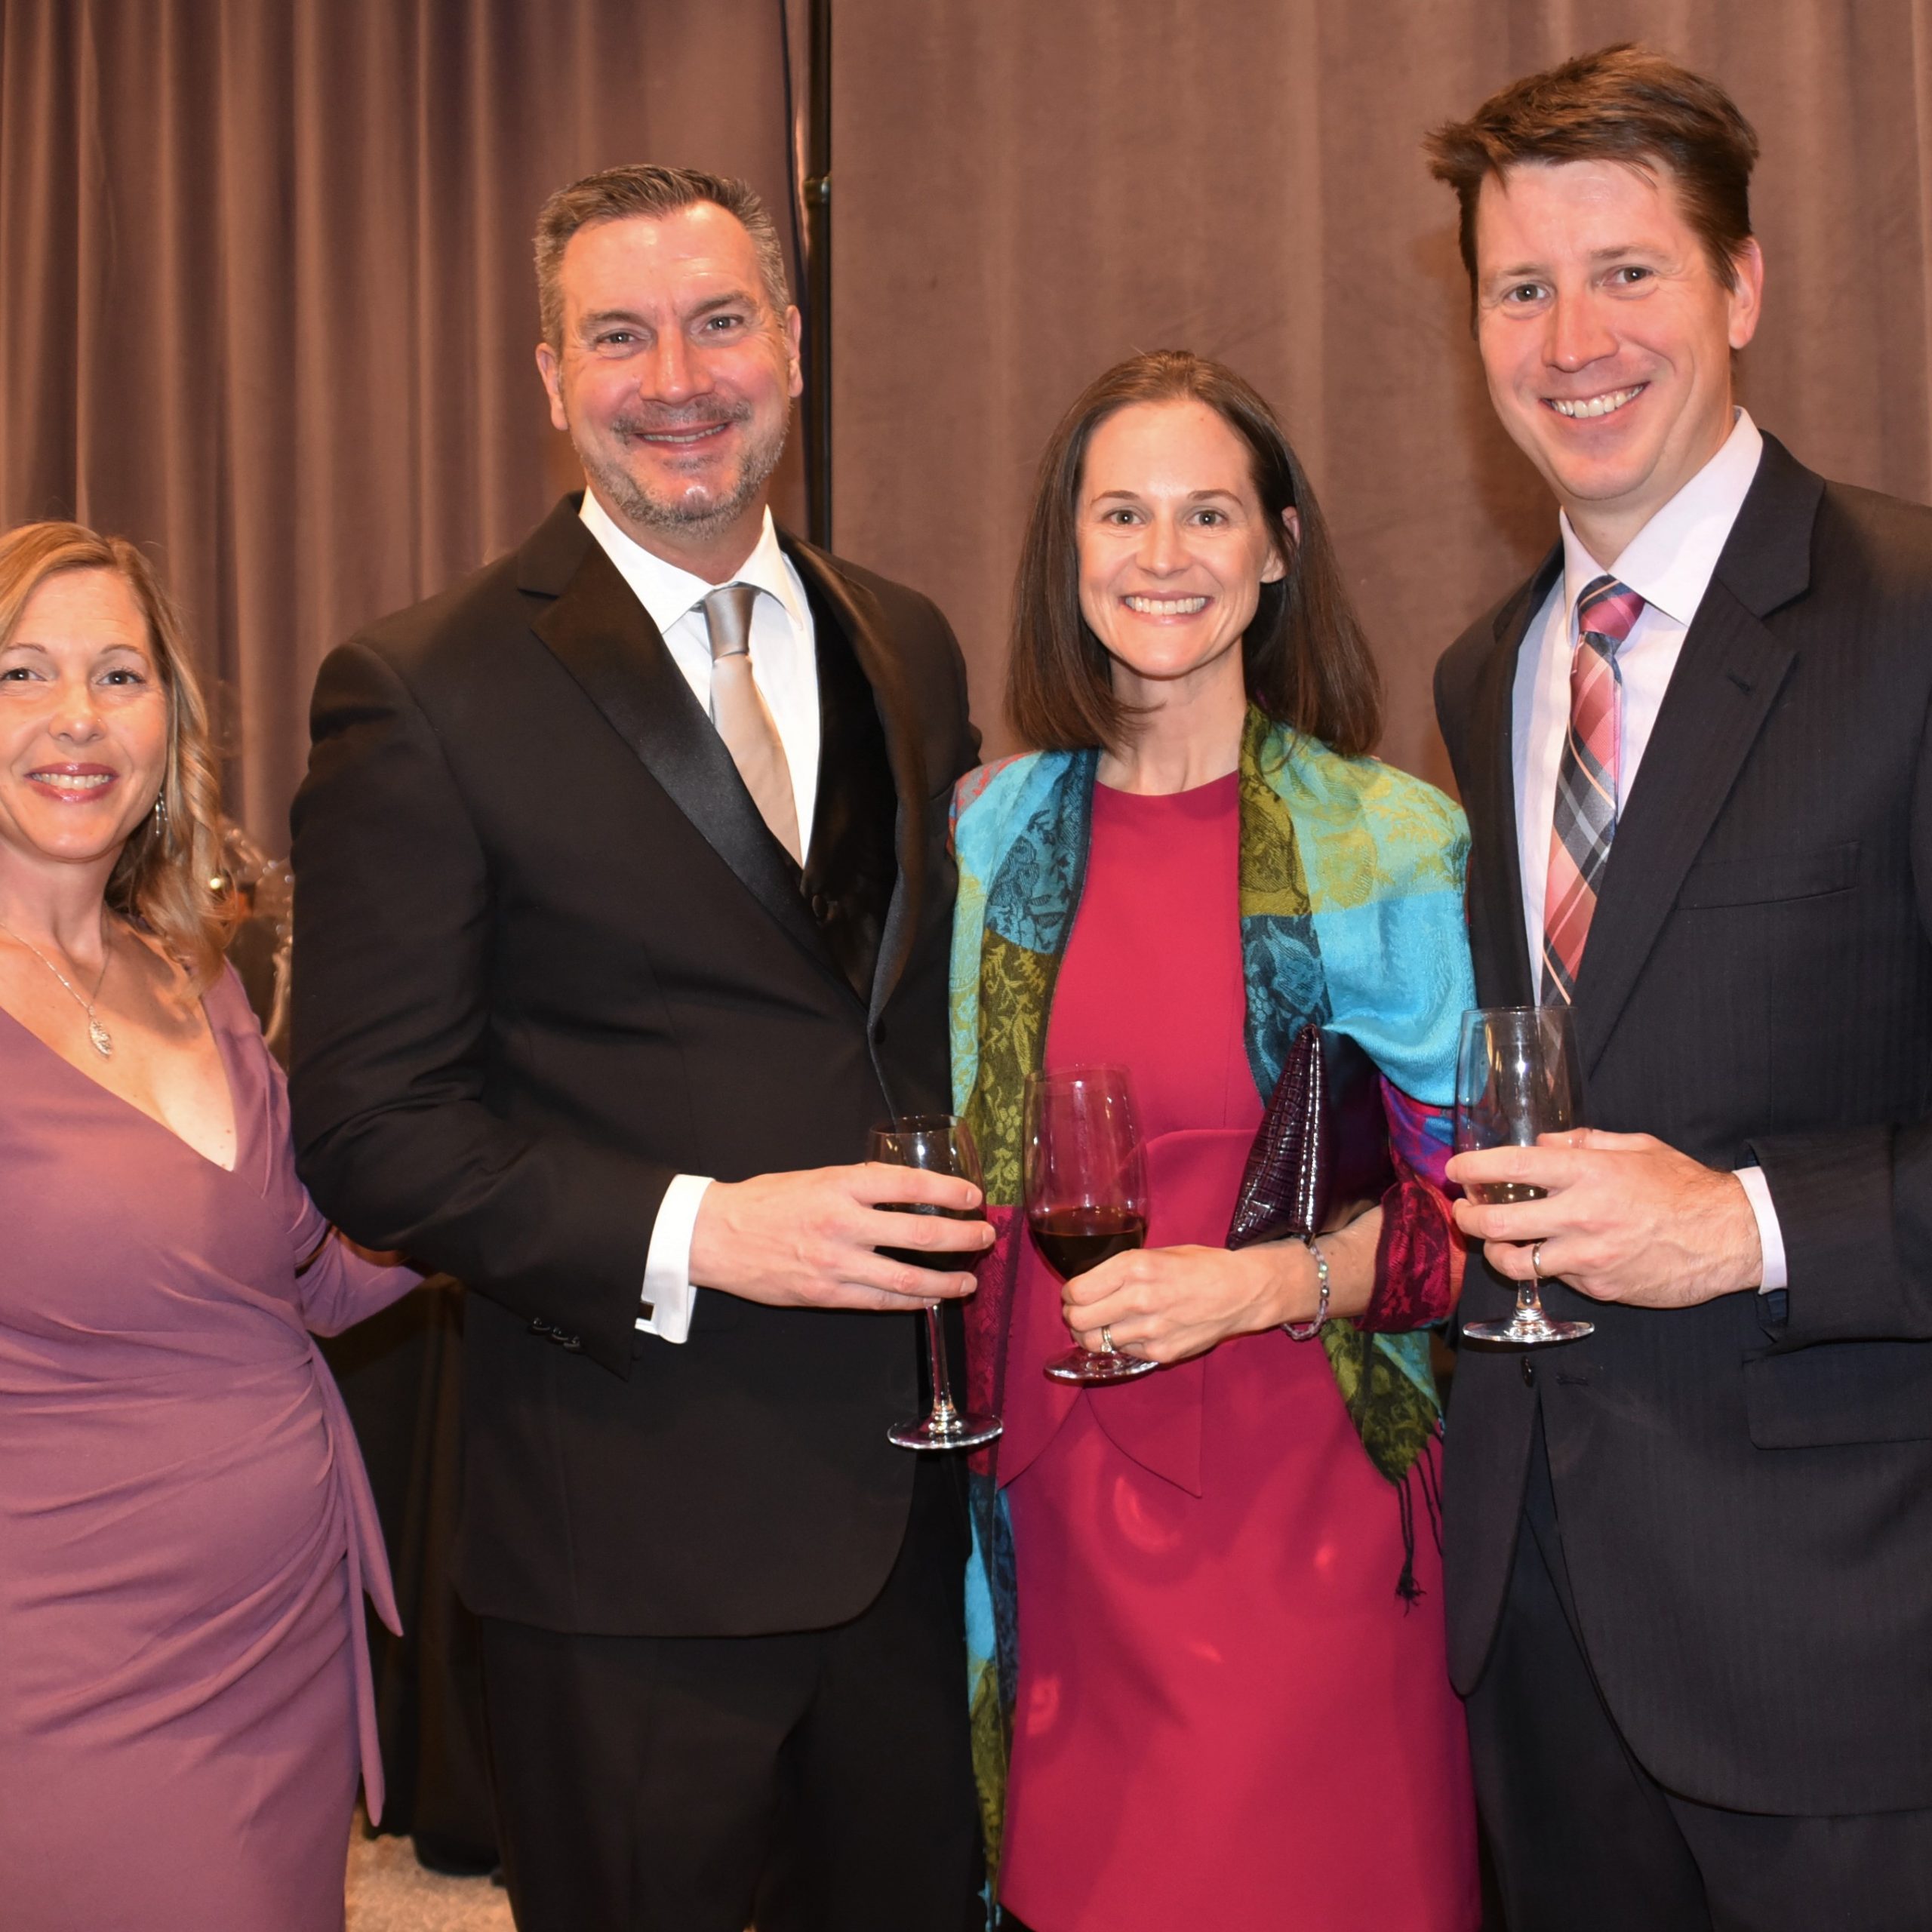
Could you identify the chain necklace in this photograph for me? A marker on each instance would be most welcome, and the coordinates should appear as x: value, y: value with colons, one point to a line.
x: 98, y: 1036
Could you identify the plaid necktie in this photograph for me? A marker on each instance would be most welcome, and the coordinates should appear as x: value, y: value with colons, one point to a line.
x: 1586, y: 819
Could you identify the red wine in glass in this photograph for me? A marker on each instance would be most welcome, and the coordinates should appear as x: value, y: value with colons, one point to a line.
x: 1086, y: 1182
x: 1074, y: 1239
x: 940, y: 1143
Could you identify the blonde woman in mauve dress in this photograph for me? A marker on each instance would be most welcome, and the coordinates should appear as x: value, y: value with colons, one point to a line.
x: 185, y: 1531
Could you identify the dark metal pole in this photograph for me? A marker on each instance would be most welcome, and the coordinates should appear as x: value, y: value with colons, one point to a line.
x: 818, y: 279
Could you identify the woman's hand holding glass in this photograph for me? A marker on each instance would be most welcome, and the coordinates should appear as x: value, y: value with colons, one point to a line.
x: 1170, y: 1304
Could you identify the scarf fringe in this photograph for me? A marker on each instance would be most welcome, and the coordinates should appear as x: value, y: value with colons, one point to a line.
x: 1428, y: 1480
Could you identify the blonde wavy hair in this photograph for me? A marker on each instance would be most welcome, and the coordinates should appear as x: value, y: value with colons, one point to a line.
x: 170, y: 880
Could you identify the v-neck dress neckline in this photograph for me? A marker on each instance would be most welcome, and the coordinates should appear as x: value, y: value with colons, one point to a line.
x: 217, y: 1032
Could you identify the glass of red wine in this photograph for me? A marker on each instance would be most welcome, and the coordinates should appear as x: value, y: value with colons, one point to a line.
x: 942, y: 1144
x: 1515, y: 1078
x: 1086, y: 1191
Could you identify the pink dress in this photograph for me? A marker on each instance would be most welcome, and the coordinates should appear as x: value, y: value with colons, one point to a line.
x: 1225, y: 1715
x: 185, y: 1531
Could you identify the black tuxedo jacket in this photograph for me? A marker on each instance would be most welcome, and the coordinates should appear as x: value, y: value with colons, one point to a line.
x: 551, y: 956
x: 1744, y: 1488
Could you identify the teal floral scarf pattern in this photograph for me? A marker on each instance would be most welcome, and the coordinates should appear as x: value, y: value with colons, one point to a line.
x: 1351, y: 896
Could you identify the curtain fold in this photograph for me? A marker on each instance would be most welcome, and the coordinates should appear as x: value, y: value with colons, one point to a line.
x: 266, y: 299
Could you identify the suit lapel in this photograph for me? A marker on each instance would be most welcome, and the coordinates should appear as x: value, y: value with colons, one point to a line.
x: 596, y: 628
x: 1497, y: 856
x: 857, y: 610
x: 1727, y: 676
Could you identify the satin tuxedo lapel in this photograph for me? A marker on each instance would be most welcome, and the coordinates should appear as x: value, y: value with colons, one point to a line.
x: 1728, y: 677
x: 1493, y: 817
x: 596, y: 628
x: 858, y: 612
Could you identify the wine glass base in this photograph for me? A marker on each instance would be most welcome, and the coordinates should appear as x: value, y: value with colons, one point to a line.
x: 954, y: 1431
x: 1528, y: 1328
x: 1093, y: 1369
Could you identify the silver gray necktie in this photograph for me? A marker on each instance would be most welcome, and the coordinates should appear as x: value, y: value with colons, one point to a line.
x: 738, y: 711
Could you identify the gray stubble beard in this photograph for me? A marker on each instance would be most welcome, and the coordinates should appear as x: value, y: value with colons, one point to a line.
x: 620, y: 489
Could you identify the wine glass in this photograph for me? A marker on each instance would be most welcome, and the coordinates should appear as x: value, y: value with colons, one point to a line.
x: 1516, y: 1078
x: 1086, y: 1190
x: 942, y: 1144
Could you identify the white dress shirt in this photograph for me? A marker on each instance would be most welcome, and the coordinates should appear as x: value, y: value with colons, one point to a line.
x: 1669, y: 564
x: 784, y: 655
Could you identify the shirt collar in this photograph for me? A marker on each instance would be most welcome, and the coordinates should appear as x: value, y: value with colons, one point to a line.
x: 1669, y: 563
x: 667, y: 591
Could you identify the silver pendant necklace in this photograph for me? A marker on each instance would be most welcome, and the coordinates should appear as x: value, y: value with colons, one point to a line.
x: 99, y: 1037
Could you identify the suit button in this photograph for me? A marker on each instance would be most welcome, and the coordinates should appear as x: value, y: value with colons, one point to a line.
x: 1529, y: 1373
x: 821, y: 907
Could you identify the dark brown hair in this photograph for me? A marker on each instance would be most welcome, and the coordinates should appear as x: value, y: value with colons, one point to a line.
x: 1306, y: 660
x: 170, y: 880
x: 653, y: 192
x: 1622, y: 103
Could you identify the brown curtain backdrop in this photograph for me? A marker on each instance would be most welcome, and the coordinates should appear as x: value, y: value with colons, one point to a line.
x: 265, y: 298
x: 1025, y: 193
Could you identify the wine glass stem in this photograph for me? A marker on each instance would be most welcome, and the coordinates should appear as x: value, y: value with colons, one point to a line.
x: 944, y: 1411
x: 1528, y: 1302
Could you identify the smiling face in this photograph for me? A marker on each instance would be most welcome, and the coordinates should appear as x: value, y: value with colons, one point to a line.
x: 1175, y: 547
x: 83, y: 723
x: 1607, y: 335
x: 674, y: 377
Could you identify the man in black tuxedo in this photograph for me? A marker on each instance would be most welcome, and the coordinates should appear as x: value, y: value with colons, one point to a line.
x: 1690, y: 1557
x: 625, y: 904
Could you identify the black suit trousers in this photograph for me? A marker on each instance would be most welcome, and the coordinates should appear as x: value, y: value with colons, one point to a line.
x: 1585, y: 1840
x: 818, y: 1781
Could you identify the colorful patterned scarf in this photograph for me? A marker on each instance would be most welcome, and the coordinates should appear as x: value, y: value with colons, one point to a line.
x: 1351, y: 894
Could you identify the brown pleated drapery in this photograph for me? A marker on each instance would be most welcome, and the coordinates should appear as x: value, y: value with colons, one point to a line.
x: 1025, y: 193
x: 265, y: 297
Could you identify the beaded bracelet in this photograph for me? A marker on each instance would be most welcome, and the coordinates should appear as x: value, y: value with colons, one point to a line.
x: 1306, y: 1331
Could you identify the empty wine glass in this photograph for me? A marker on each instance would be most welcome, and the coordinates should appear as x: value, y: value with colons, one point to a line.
x: 941, y: 1144
x: 1516, y: 1078
x: 1086, y: 1190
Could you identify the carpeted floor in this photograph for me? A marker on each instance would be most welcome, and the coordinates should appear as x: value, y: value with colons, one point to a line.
x: 390, y: 1892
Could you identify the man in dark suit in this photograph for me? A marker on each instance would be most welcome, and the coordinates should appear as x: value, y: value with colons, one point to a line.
x: 624, y: 909
x: 1690, y: 1557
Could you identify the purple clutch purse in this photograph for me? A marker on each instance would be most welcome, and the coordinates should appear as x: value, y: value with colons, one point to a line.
x: 1323, y: 1141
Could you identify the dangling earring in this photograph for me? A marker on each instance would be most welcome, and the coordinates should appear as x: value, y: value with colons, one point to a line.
x: 161, y: 815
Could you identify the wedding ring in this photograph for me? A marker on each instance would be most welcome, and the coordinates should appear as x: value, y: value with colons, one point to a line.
x: 1107, y: 1342
x: 1535, y: 1261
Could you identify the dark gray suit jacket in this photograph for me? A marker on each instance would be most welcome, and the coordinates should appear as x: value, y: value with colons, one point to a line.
x: 551, y: 956
x: 1744, y: 1488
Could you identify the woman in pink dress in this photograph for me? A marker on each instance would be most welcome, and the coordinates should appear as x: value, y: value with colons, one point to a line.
x: 185, y: 1533
x: 1211, y: 1632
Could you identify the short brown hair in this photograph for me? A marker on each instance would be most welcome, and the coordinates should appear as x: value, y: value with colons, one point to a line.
x: 641, y: 188
x: 170, y: 880
x: 1622, y: 103
x: 1306, y: 660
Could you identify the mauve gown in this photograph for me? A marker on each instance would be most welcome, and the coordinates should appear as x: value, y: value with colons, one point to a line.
x: 1225, y: 1715
x: 185, y: 1530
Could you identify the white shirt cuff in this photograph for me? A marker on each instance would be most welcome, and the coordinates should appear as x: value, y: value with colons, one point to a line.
x: 668, y: 1292
x: 1771, y: 1240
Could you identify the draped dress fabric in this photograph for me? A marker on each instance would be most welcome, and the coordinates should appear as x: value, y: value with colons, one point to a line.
x: 186, y: 1530
x: 1226, y: 1714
